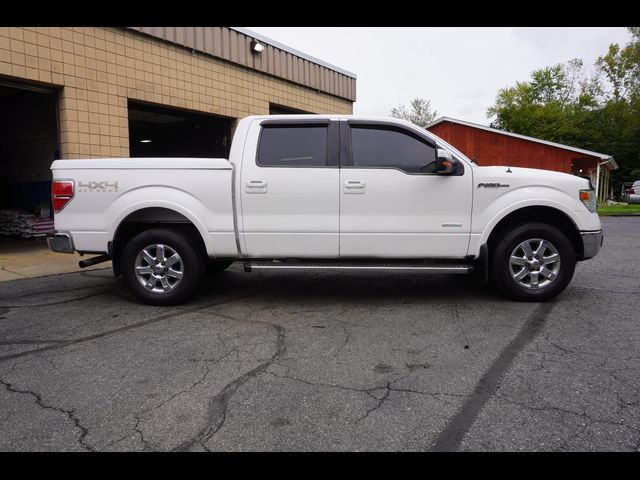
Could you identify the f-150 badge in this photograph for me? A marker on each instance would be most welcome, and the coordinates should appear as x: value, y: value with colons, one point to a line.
x: 492, y: 185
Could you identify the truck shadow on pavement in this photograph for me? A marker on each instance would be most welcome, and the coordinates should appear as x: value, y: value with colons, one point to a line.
x: 352, y: 287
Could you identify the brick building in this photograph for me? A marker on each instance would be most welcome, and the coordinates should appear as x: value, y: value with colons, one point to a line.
x: 87, y: 92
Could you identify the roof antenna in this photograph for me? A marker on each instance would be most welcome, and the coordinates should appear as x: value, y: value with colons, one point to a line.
x: 509, y: 170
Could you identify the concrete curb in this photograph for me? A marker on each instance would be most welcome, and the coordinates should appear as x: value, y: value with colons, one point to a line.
x: 622, y: 215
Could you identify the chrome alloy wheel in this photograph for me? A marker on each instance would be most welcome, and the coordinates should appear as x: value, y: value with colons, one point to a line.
x: 159, y: 268
x: 535, y: 263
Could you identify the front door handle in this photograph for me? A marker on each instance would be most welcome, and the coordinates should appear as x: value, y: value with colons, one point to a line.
x: 255, y: 186
x: 354, y: 186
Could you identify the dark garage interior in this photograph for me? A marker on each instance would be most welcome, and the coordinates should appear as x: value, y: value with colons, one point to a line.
x: 28, y: 144
x: 167, y: 132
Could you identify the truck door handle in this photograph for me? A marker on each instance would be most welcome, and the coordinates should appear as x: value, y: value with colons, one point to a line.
x: 354, y: 186
x: 256, y: 186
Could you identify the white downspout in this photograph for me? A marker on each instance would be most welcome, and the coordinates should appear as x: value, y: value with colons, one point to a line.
x: 598, y: 178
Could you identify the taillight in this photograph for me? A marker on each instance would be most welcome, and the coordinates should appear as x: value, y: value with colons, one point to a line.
x: 632, y: 192
x: 61, y: 194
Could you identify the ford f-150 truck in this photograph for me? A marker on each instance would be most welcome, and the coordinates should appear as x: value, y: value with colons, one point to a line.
x: 325, y: 192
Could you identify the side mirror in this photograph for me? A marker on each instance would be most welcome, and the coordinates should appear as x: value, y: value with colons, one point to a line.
x: 445, y: 163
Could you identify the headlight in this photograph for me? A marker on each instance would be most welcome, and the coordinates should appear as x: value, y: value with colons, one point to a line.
x: 588, y: 197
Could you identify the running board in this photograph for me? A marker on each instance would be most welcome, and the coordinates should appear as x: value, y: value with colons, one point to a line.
x: 424, y: 266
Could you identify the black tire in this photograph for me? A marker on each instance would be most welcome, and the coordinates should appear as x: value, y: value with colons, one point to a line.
x: 191, y: 265
x: 502, y: 272
x: 217, y: 266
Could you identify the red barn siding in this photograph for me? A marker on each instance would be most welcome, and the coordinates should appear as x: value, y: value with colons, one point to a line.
x: 490, y: 148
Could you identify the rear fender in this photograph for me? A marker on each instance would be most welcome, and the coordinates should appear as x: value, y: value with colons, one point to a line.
x: 161, y: 197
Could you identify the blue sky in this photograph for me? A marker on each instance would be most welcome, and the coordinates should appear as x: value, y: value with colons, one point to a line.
x: 459, y: 69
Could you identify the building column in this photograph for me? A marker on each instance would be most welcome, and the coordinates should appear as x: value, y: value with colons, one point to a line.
x: 92, y: 123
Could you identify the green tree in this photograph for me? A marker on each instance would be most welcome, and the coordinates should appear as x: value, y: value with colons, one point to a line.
x: 419, y: 114
x: 601, y: 113
x: 620, y: 114
x: 552, y: 105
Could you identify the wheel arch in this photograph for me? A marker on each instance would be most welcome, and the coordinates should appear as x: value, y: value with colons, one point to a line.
x: 541, y: 214
x: 146, y: 218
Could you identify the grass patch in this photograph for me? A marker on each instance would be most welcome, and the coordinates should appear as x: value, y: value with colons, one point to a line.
x: 619, y: 209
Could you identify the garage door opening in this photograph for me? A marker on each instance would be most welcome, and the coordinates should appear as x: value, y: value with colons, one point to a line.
x: 168, y: 132
x: 28, y: 144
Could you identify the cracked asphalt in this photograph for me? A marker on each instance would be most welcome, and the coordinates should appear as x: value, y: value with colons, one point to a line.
x: 325, y: 361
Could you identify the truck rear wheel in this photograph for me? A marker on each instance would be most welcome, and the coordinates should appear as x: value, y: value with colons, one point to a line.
x: 533, y: 262
x: 162, y: 266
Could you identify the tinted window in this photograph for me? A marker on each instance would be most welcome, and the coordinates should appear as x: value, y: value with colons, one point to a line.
x: 293, y: 147
x: 385, y: 147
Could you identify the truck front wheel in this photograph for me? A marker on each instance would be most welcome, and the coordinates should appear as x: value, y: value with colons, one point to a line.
x: 162, y: 266
x: 533, y: 262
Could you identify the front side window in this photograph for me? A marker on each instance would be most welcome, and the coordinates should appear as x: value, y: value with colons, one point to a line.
x: 376, y: 147
x: 293, y: 147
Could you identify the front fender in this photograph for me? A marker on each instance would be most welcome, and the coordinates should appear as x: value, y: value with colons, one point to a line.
x: 488, y: 214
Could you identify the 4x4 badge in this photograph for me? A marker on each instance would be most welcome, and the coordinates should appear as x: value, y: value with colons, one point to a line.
x: 98, y: 186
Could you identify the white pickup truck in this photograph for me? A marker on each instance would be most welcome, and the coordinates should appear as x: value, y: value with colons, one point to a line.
x: 325, y: 192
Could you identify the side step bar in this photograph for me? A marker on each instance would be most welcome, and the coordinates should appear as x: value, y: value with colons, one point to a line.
x: 425, y: 266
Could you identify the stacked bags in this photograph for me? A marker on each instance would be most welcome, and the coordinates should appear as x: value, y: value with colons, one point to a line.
x: 24, y: 224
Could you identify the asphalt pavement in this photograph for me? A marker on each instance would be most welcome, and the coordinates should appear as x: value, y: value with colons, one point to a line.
x: 298, y: 360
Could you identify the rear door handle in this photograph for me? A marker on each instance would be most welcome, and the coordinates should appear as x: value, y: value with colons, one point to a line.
x: 256, y: 186
x: 354, y: 186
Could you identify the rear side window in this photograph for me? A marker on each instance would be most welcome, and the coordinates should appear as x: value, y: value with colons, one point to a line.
x: 375, y: 147
x: 293, y: 147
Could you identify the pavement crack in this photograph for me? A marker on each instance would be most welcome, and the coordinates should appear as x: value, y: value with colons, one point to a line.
x: 50, y: 292
x: 328, y: 385
x: 61, y: 302
x: 29, y: 341
x: 117, y: 440
x: 150, y: 321
x: 136, y: 428
x: 431, y: 394
x: 218, y: 405
x: 380, y: 402
x: 607, y: 290
x: 70, y: 414
x: 387, y: 389
x: 564, y: 350
x: 207, y: 363
x: 544, y: 408
x: 200, y: 381
x: 582, y: 414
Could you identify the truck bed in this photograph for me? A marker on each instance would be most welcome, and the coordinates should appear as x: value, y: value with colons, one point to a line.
x: 107, y: 190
